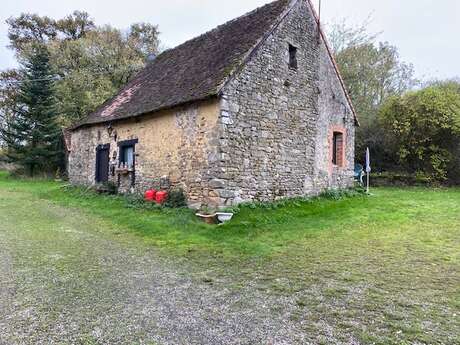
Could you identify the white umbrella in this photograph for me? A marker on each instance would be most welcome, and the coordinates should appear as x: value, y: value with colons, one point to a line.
x: 368, y: 166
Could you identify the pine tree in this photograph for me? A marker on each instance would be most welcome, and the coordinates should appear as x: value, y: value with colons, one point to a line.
x: 33, y: 136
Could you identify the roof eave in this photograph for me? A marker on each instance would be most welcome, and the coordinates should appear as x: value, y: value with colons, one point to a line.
x: 151, y: 112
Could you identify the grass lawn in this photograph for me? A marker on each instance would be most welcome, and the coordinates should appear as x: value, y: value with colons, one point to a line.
x: 383, y: 269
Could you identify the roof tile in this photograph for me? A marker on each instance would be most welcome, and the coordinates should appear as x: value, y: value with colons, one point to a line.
x: 192, y: 71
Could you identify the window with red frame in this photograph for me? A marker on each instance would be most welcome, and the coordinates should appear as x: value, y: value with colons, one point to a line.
x: 337, y: 149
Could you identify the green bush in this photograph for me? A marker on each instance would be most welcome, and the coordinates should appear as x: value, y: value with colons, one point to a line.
x: 422, y: 128
x: 176, y: 199
x: 338, y: 194
x: 136, y: 201
x: 402, y: 179
x: 107, y: 188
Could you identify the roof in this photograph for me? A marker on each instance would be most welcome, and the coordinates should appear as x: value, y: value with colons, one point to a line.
x: 194, y: 70
x: 199, y: 68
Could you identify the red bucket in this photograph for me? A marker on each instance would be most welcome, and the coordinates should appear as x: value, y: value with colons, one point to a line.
x: 161, y: 197
x: 150, y: 195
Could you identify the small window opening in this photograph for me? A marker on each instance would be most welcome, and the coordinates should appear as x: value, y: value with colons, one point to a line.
x: 127, y: 156
x: 292, y: 57
x: 337, y: 149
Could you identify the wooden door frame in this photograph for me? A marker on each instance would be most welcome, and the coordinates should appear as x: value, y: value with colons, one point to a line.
x: 99, y: 148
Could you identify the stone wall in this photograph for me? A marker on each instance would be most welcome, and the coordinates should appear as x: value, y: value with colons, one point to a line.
x: 276, y: 123
x: 268, y: 136
x: 334, y: 115
x: 174, y: 148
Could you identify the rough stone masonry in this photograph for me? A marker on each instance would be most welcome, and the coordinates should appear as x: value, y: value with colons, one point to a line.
x: 266, y: 134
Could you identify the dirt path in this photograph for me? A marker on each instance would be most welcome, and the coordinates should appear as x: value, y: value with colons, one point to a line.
x: 63, y: 282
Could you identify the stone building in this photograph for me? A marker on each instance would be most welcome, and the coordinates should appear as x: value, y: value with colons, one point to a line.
x: 252, y: 110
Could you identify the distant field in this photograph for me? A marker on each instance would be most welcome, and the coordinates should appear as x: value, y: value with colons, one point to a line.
x: 79, y: 268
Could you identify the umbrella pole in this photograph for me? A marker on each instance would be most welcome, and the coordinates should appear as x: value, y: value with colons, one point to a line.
x: 368, y: 179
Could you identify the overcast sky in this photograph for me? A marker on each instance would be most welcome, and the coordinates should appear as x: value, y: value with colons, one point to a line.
x: 427, y: 32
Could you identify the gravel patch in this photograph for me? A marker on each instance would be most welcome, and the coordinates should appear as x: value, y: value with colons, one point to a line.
x: 71, y: 285
x: 6, y: 288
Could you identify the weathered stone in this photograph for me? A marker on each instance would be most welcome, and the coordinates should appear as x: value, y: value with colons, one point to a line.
x: 226, y: 194
x: 237, y: 201
x: 173, y: 149
x: 216, y: 184
x: 215, y: 202
x: 293, y: 128
x: 267, y: 136
x: 213, y: 194
x: 227, y: 121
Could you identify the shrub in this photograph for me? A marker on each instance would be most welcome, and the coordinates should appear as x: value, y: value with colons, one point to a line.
x: 18, y: 172
x: 338, y: 194
x: 404, y: 179
x: 423, y: 129
x: 176, y: 199
x: 107, y: 188
x: 137, y: 201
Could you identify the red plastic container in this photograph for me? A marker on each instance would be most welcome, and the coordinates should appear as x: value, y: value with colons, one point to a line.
x: 150, y: 195
x: 161, y: 197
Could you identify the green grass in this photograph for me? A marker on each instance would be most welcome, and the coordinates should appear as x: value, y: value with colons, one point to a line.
x: 381, y: 269
x: 264, y: 231
x: 253, y: 231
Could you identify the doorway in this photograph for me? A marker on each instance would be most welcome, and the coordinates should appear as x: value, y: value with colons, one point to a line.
x: 102, y: 163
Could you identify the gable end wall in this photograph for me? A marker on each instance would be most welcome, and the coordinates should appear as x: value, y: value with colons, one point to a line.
x: 276, y: 123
